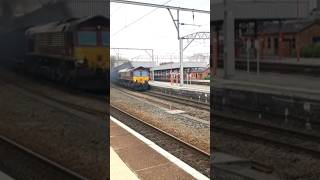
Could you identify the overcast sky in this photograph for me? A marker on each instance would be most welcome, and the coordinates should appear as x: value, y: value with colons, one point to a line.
x: 156, y: 30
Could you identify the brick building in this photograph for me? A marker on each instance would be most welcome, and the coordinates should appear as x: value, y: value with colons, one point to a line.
x: 163, y: 71
x: 283, y: 40
x: 200, y: 74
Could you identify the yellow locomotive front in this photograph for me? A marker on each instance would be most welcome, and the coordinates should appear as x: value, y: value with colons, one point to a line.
x: 92, y: 49
x: 135, y: 78
x: 140, y: 76
x: 74, y: 51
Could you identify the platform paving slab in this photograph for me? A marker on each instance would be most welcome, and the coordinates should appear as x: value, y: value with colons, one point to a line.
x: 228, y: 167
x: 268, y: 82
x: 195, y: 92
x: 164, y: 171
x: 119, y: 170
x: 141, y: 159
x: 4, y: 176
x: 188, y: 87
x: 124, y: 141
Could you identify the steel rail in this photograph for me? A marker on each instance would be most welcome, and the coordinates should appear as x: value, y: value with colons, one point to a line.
x: 175, y: 99
x: 180, y: 100
x: 161, y: 131
x: 43, y: 158
x: 245, y: 132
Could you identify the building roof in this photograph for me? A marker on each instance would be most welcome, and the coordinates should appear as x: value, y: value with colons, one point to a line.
x: 288, y: 27
x: 200, y: 70
x: 145, y: 64
x: 177, y: 65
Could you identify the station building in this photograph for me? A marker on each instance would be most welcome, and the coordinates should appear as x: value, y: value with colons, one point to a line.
x: 196, y: 69
x: 283, y: 40
x: 200, y: 74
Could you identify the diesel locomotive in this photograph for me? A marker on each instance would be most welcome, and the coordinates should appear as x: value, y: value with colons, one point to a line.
x: 134, y: 78
x: 74, y: 51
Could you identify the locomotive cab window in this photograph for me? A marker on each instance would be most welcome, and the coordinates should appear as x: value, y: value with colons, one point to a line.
x: 87, y: 38
x: 144, y: 73
x: 105, y: 39
x: 140, y: 73
x: 136, y: 73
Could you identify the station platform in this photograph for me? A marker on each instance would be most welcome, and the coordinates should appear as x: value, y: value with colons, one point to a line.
x: 4, y: 176
x: 119, y: 170
x: 305, y: 66
x: 194, y: 91
x: 276, y: 83
x: 284, y: 95
x: 201, y: 82
x: 230, y: 167
x: 142, y: 159
x: 292, y: 61
x: 188, y: 87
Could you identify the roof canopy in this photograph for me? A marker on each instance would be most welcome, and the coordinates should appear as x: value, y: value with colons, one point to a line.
x: 185, y: 65
x: 288, y: 27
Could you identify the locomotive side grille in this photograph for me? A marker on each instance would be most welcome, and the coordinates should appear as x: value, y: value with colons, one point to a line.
x: 53, y: 43
x: 51, y: 39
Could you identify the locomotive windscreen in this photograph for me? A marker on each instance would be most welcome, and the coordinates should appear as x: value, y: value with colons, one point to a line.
x: 87, y: 38
x: 141, y: 73
x: 105, y: 39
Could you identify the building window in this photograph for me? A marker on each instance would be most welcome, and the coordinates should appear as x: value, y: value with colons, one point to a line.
x: 269, y: 43
x: 276, y: 43
x: 316, y: 40
x: 294, y: 43
x: 87, y: 38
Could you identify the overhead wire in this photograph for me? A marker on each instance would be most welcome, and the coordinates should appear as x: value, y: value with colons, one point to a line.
x: 116, y: 10
x: 137, y: 20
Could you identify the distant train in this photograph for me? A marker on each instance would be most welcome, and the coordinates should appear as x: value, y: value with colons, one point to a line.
x: 73, y: 51
x: 134, y: 78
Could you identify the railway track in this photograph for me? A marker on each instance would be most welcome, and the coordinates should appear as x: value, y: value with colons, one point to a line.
x: 292, y: 140
x: 180, y: 100
x: 23, y: 169
x: 195, y: 157
x: 171, y: 98
x: 21, y: 162
x: 38, y: 94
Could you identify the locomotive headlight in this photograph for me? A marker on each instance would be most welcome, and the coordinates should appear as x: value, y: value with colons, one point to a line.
x: 98, y: 27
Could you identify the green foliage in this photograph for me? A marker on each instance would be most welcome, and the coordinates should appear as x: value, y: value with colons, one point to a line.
x: 207, y: 78
x: 311, y: 51
x: 317, y: 51
x: 294, y: 53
